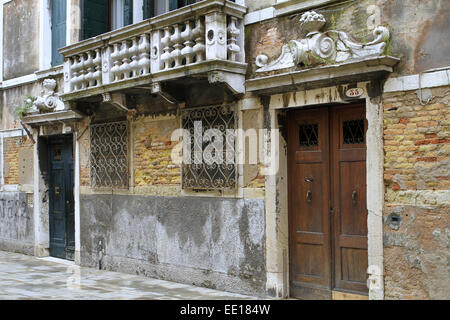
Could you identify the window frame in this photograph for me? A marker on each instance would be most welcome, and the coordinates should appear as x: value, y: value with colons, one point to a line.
x: 95, y: 186
x: 234, y: 108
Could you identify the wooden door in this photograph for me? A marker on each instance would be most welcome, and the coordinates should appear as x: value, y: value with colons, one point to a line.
x: 327, y: 201
x: 61, y: 200
x: 348, y: 196
x: 310, y: 272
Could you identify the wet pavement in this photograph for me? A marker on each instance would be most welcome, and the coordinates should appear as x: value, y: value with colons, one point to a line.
x: 27, y: 277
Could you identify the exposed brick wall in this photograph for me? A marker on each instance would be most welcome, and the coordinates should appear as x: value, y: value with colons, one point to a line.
x: 84, y: 145
x: 417, y: 180
x: 11, y: 149
x: 152, y: 152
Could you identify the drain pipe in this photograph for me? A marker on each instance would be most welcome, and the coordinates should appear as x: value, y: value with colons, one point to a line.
x: 100, y: 252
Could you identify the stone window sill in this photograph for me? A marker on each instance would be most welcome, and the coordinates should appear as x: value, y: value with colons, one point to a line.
x: 51, y: 72
x: 283, y: 7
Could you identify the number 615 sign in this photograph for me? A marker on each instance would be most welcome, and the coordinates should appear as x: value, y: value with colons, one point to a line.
x: 354, y: 92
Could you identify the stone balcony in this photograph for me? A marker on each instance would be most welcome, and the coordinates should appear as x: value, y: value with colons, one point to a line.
x: 203, y: 42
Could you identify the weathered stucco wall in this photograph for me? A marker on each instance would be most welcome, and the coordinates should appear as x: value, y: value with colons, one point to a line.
x: 16, y: 223
x: 417, y: 199
x: 20, y: 38
x: 15, y: 97
x: 210, y: 242
x: 418, y: 31
x: 254, y: 5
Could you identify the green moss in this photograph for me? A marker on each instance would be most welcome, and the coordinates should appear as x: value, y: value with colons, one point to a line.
x: 247, y: 31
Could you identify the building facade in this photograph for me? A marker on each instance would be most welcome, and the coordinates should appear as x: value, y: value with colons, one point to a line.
x: 278, y: 148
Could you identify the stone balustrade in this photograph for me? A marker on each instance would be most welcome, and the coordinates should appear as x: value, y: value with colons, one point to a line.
x: 209, y: 30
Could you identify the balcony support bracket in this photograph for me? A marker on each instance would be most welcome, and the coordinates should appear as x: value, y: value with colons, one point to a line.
x: 118, y: 100
x: 157, y: 89
x: 234, y: 82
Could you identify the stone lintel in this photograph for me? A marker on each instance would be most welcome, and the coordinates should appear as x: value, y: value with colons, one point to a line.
x: 328, y: 75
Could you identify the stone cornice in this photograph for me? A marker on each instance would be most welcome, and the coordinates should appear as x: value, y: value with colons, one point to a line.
x: 328, y: 75
x: 51, y: 118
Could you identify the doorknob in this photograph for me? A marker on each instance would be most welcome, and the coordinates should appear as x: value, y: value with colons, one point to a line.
x: 354, y: 194
x: 57, y: 190
x: 309, y: 196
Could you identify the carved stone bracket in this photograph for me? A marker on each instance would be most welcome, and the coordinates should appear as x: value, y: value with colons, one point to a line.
x: 116, y: 99
x: 157, y: 89
x: 50, y: 101
x: 323, y: 47
x: 234, y: 82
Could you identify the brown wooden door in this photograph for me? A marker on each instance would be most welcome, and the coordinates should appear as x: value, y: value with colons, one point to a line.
x: 348, y: 197
x: 327, y: 201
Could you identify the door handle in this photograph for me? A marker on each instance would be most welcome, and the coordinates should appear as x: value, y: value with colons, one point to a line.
x: 354, y: 194
x: 309, y: 196
x: 57, y: 190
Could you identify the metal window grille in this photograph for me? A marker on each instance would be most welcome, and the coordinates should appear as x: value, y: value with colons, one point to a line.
x: 309, y: 135
x: 209, y: 175
x: 109, y: 155
x: 353, y: 131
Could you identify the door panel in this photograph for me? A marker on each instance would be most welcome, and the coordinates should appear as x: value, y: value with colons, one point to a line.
x: 348, y: 154
x: 309, y: 223
x: 327, y: 201
x: 61, y: 213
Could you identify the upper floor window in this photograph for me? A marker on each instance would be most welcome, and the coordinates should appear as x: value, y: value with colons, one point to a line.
x: 101, y: 16
x: 58, y: 27
x: 121, y: 13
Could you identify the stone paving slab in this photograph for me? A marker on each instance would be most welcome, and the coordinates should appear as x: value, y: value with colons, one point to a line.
x: 26, y: 277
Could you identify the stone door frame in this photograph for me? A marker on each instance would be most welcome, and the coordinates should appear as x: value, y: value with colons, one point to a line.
x: 277, y: 260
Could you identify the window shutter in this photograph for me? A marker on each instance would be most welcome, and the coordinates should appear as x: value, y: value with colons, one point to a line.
x: 95, y: 18
x: 173, y: 4
x: 149, y: 9
x: 58, y: 16
x: 127, y: 12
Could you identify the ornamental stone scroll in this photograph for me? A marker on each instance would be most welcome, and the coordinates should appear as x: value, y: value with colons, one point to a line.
x: 323, y: 47
x: 50, y: 101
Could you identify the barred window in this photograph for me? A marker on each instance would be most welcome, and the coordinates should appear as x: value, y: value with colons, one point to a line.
x: 109, y: 155
x: 209, y: 150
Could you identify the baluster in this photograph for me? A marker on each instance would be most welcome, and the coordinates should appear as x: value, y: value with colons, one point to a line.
x: 199, y: 36
x: 82, y: 73
x: 98, y: 68
x: 165, y: 42
x: 115, y: 56
x: 74, y: 69
x: 89, y: 70
x: 187, y: 36
x: 176, y: 40
x: 233, y: 33
x: 124, y: 54
x: 144, y: 61
x: 133, y: 52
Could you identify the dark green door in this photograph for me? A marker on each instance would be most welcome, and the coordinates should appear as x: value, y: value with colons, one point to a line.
x: 61, y: 206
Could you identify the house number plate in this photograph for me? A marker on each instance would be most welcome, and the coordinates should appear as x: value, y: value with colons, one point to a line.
x: 354, y: 92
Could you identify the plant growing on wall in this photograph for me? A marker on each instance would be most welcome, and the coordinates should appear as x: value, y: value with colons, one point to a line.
x: 27, y: 107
